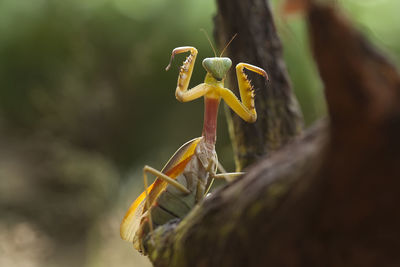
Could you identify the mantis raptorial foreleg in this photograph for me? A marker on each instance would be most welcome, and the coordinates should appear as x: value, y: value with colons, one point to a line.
x: 182, y: 93
x: 245, y: 109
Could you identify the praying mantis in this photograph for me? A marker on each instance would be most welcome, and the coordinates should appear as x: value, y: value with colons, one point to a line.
x: 183, y: 181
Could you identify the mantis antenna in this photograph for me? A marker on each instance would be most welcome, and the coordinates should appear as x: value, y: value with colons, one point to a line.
x: 208, y: 38
x: 228, y: 44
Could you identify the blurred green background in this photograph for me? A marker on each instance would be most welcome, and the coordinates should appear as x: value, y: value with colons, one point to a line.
x: 85, y: 102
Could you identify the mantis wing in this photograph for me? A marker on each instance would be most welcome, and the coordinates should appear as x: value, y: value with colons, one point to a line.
x: 175, y: 166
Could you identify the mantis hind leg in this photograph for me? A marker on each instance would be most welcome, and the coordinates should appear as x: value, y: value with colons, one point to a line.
x: 223, y: 173
x: 166, y: 178
x: 228, y: 176
x: 147, y: 203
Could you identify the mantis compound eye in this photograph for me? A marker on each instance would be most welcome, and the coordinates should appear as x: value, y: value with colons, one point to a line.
x: 217, y: 66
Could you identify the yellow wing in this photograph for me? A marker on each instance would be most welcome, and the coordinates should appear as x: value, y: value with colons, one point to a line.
x: 175, y: 166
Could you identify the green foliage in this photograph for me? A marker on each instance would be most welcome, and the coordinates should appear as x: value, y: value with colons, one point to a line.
x: 92, y: 72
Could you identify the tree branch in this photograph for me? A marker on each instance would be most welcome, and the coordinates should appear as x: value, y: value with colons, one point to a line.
x: 328, y: 199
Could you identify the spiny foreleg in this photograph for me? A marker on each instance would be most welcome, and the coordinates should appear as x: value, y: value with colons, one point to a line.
x: 185, y: 73
x: 246, y: 108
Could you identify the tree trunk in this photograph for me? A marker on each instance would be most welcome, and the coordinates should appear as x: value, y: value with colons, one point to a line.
x: 279, y: 116
x: 330, y: 198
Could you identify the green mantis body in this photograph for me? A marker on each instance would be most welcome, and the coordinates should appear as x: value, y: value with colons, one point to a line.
x: 183, y: 181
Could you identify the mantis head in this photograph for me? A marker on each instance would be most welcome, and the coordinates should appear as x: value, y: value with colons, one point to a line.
x: 217, y: 66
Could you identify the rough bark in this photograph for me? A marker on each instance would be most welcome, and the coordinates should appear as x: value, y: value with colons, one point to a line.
x: 257, y: 43
x: 328, y: 199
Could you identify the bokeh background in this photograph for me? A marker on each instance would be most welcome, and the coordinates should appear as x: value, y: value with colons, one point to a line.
x: 85, y: 102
